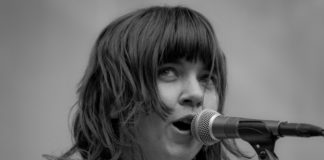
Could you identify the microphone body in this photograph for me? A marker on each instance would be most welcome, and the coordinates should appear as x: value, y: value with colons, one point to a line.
x: 209, y: 127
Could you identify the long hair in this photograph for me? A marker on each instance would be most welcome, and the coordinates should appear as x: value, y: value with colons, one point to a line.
x: 119, y: 84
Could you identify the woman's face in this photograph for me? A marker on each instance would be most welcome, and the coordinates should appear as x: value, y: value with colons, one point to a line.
x: 186, y: 88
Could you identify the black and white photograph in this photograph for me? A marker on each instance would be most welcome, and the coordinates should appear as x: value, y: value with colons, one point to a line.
x: 161, y: 80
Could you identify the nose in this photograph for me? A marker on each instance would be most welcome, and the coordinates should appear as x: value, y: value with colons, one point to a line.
x: 192, y: 93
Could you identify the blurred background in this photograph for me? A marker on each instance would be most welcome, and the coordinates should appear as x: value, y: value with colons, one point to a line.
x: 274, y: 51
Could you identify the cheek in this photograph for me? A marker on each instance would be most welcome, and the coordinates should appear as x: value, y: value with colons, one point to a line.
x: 211, y: 101
x: 168, y: 93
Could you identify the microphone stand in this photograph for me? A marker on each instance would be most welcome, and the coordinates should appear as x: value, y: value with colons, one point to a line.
x: 260, y: 138
x: 263, y: 137
x: 265, y: 148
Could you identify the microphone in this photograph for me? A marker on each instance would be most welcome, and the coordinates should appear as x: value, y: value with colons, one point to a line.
x: 209, y: 127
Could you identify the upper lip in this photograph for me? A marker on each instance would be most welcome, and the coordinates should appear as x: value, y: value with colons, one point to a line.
x: 186, y: 119
x: 183, y: 123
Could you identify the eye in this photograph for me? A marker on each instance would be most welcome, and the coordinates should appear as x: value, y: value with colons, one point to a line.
x: 207, y: 80
x: 167, y: 74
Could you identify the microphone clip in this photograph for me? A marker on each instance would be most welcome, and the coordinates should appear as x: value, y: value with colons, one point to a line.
x: 263, y: 137
x: 265, y: 149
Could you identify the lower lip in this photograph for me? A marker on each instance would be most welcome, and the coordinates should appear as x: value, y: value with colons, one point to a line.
x: 181, y: 136
x: 184, y: 132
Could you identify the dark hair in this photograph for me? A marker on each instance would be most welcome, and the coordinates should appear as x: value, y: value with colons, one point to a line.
x: 119, y: 84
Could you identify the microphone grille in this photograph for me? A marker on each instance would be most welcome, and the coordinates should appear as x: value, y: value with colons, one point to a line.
x: 201, y: 126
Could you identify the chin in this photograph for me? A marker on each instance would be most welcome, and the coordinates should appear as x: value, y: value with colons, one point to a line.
x: 172, y: 151
x: 180, y: 152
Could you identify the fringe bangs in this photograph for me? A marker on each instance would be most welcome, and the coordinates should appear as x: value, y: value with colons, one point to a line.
x: 187, y: 36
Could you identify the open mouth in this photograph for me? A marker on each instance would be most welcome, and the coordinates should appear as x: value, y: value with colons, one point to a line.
x: 183, y: 124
